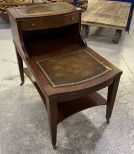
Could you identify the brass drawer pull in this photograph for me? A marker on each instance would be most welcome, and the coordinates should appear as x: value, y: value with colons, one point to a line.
x: 73, y: 18
x: 33, y: 24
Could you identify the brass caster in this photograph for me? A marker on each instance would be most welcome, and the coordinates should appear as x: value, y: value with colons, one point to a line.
x: 54, y: 147
x: 21, y: 83
x: 108, y: 121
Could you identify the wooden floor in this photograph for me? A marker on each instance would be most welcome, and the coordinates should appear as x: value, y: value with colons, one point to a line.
x: 107, y: 14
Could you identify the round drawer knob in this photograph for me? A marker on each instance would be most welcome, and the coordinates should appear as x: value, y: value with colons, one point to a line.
x: 73, y: 18
x: 33, y: 24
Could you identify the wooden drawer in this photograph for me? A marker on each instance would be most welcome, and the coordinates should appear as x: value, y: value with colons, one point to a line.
x: 50, y: 22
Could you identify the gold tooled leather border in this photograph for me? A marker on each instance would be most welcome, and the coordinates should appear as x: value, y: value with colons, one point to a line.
x: 73, y: 83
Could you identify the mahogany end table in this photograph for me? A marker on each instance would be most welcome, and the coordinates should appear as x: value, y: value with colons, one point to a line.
x: 66, y: 73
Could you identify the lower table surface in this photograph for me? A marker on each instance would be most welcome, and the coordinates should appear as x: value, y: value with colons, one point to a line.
x: 68, y: 108
x: 108, y: 14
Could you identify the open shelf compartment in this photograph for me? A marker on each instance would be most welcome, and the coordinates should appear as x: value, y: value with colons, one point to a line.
x: 68, y: 108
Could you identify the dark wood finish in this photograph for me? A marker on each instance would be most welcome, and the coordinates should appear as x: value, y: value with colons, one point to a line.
x: 112, y: 91
x: 52, y: 118
x: 20, y: 65
x: 45, y: 40
x: 65, y: 109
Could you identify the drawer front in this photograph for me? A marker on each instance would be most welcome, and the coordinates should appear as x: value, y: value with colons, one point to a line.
x: 50, y: 22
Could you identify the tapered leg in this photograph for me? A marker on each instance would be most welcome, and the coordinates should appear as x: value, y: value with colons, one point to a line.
x: 52, y: 117
x: 112, y: 91
x: 20, y: 65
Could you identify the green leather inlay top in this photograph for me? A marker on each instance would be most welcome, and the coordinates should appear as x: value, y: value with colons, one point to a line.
x: 73, y: 68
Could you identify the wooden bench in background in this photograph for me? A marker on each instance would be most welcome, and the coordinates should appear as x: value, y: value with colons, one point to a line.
x: 107, y: 14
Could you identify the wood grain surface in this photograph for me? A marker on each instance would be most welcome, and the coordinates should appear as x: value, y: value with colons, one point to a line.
x: 107, y: 14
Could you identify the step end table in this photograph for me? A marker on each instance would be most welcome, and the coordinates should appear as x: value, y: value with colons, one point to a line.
x: 66, y: 73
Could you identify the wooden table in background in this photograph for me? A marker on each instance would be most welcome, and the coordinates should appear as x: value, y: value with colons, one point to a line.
x: 107, y: 14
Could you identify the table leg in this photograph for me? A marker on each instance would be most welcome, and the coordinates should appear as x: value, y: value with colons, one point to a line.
x: 117, y: 36
x: 85, y: 31
x: 52, y: 118
x: 112, y: 91
x: 20, y: 65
